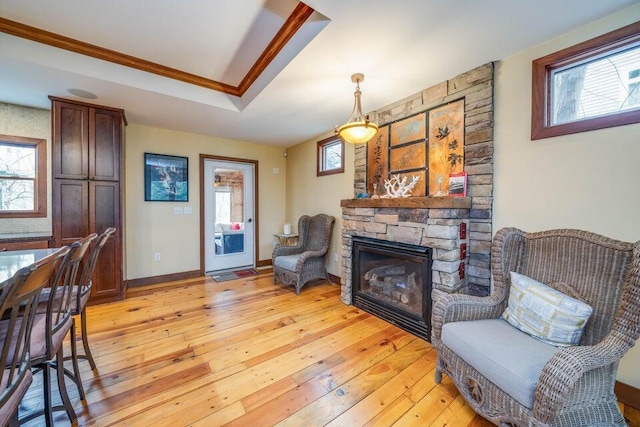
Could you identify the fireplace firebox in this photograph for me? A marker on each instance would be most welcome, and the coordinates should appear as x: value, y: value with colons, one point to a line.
x: 392, y: 280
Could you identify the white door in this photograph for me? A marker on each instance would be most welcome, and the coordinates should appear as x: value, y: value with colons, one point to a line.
x: 228, y: 212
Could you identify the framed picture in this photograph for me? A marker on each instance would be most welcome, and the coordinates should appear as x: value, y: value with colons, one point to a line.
x: 458, y: 184
x: 166, y: 178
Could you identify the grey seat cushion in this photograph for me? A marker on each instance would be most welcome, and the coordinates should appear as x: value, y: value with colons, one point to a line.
x: 507, y: 357
x: 288, y: 262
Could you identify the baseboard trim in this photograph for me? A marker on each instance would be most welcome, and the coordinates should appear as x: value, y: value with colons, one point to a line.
x: 263, y: 263
x: 628, y: 395
x: 143, y: 281
x: 334, y: 279
x: 104, y: 300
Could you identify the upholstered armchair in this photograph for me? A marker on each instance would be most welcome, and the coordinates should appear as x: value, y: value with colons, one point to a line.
x: 515, y: 378
x: 298, y: 265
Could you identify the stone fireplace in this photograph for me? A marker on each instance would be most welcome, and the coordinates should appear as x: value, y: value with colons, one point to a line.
x: 457, y: 230
x: 434, y: 223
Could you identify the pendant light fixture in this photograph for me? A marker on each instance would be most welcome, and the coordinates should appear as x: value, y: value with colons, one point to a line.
x: 358, y: 128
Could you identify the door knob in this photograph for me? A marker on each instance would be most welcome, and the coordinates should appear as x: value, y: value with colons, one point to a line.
x: 249, y: 220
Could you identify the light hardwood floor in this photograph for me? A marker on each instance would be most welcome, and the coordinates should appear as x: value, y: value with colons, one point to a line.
x: 248, y: 353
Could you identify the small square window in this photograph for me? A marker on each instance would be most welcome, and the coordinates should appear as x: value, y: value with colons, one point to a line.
x: 330, y: 156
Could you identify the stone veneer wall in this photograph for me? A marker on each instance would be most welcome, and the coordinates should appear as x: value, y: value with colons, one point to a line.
x: 433, y: 228
x: 476, y: 87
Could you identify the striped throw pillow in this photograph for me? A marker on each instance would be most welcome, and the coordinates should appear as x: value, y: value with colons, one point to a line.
x: 545, y: 313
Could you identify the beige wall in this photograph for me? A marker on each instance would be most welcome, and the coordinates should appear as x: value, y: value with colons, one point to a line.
x: 152, y: 227
x: 588, y: 180
x: 28, y: 122
x: 310, y: 194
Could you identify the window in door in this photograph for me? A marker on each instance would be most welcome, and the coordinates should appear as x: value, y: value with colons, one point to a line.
x: 23, y: 171
x: 223, y: 206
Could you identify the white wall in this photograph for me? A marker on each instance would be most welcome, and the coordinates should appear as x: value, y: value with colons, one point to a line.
x: 588, y: 181
x: 152, y: 227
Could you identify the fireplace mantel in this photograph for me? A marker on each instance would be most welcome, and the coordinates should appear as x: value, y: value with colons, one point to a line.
x: 447, y: 202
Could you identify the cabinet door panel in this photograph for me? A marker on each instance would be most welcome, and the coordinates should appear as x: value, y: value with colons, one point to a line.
x: 105, y: 145
x: 71, y: 151
x: 104, y: 207
x: 106, y: 276
x: 71, y: 216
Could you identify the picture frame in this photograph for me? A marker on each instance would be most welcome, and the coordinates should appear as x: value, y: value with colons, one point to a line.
x: 166, y: 178
x: 458, y: 184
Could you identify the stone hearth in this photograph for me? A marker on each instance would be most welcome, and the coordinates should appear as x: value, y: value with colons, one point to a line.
x: 432, y: 222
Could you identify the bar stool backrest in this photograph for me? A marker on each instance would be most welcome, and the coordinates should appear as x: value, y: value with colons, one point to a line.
x: 88, y: 268
x: 18, y: 303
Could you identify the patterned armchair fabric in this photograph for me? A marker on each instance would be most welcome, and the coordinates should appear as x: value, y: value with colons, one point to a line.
x: 300, y: 264
x: 574, y: 385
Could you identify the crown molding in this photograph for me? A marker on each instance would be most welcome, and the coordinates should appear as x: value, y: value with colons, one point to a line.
x: 294, y: 22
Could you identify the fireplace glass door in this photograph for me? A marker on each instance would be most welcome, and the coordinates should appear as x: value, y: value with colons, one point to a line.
x: 393, y: 281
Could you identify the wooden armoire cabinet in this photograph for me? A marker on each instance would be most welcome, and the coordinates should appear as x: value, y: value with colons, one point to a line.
x: 87, y: 164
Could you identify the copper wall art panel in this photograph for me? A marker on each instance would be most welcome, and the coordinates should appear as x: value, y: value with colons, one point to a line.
x: 446, y: 145
x: 410, y: 129
x: 378, y: 160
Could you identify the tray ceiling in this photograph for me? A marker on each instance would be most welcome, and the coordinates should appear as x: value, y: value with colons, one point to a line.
x: 274, y: 72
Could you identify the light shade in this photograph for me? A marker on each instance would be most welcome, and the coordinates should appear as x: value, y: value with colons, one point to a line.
x: 358, y: 132
x: 358, y: 128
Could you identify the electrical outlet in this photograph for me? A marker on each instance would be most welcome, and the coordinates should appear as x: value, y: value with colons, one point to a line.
x: 188, y: 210
x: 177, y: 210
x: 335, y: 257
x: 156, y: 256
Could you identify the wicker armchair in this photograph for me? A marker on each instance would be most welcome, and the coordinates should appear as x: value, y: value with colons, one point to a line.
x: 300, y: 264
x: 575, y: 385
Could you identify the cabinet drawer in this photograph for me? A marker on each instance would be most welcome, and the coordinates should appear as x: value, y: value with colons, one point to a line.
x: 20, y: 245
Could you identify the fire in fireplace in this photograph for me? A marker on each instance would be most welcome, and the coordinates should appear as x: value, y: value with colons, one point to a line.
x: 393, y: 281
